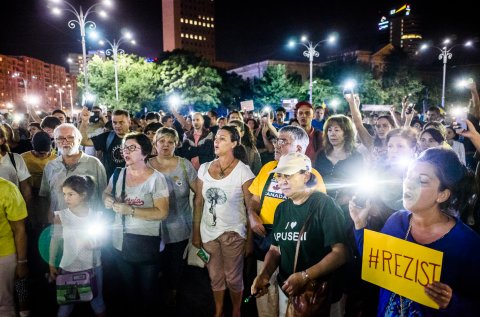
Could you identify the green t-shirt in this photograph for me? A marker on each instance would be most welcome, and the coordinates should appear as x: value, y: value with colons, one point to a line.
x: 327, y: 227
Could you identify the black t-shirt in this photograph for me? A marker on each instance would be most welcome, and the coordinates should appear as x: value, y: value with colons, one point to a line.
x: 22, y: 147
x: 343, y: 172
x: 327, y: 227
x: 112, y: 156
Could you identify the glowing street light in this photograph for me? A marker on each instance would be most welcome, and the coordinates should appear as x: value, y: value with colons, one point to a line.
x: 25, y: 86
x: 311, y: 52
x: 115, y: 50
x: 82, y: 22
x: 445, y: 55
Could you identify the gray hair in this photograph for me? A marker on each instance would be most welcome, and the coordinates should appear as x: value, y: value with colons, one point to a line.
x: 298, y: 134
x: 76, y: 132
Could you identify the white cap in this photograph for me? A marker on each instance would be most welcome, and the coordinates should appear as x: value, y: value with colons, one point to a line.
x: 292, y: 163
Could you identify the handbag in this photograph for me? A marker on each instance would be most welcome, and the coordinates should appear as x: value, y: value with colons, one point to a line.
x: 191, y: 255
x: 316, y: 296
x: 136, y: 248
x: 75, y: 287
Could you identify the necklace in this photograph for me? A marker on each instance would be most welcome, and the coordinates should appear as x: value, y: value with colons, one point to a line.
x: 222, y: 170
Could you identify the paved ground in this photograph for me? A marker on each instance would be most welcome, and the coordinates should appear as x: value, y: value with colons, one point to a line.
x: 194, y: 296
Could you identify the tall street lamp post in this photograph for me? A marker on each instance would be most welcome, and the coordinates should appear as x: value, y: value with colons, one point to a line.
x: 114, y: 50
x: 81, y: 19
x: 25, y: 86
x: 310, y: 53
x: 444, y: 56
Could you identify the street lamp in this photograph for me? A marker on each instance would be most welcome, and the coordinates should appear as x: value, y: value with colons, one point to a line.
x: 445, y: 55
x: 25, y: 86
x: 60, y: 92
x: 82, y: 22
x: 115, y: 50
x: 311, y: 52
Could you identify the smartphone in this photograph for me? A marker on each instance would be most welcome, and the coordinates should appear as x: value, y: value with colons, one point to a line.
x: 203, y: 255
x: 409, y: 108
x: 360, y: 201
x: 461, y: 120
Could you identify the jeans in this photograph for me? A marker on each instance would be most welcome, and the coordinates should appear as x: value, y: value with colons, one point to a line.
x: 140, y: 286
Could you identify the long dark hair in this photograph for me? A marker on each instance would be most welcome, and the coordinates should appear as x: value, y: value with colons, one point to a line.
x: 239, y: 151
x: 454, y: 176
x: 248, y: 140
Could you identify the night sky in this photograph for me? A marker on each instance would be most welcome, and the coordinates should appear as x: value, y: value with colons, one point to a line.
x: 245, y: 32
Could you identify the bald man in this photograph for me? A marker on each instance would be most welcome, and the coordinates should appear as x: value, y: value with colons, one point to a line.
x: 197, y: 143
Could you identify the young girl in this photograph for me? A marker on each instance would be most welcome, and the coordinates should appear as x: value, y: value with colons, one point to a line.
x: 80, y: 249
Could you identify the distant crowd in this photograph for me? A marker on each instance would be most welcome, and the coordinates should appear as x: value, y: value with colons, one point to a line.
x: 131, y: 199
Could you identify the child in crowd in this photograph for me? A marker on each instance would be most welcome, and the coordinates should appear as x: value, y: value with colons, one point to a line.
x: 80, y: 249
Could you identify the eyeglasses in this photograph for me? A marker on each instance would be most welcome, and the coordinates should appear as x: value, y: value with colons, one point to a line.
x: 129, y: 149
x: 284, y: 177
x: 280, y: 142
x: 62, y: 139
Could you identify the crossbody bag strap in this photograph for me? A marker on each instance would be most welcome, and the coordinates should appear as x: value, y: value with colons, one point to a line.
x: 122, y: 196
x: 304, y: 228
x: 184, y: 169
x: 265, y: 188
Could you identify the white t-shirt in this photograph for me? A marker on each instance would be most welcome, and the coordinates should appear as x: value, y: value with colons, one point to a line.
x: 78, y: 254
x: 140, y: 196
x: 224, y: 205
x: 21, y: 168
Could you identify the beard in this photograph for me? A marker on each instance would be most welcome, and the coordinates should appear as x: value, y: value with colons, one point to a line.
x: 69, y: 151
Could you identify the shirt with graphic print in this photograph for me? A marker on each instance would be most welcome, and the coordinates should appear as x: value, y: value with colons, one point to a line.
x: 326, y: 228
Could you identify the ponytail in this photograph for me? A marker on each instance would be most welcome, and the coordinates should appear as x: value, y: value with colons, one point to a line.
x: 240, y: 153
x: 82, y: 184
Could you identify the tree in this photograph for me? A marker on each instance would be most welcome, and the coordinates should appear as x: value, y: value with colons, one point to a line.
x: 137, y: 81
x: 322, y: 91
x: 274, y: 86
x: 234, y: 89
x: 196, y: 83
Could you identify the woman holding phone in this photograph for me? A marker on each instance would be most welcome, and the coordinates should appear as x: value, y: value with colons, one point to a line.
x: 220, y: 222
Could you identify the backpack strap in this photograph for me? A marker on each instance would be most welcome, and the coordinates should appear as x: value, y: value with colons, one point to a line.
x: 265, y: 188
x: 116, y: 174
x: 110, y: 138
x: 12, y: 159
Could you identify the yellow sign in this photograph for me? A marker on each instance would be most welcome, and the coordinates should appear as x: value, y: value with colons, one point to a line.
x: 400, y: 266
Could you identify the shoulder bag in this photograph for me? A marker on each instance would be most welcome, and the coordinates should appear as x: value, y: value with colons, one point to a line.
x: 316, y: 296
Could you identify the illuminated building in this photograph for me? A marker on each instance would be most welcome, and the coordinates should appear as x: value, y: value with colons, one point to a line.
x: 75, y: 60
x: 403, y: 28
x: 44, y: 81
x: 189, y: 25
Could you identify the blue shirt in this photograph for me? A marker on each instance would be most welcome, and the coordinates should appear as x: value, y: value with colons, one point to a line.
x: 460, y: 269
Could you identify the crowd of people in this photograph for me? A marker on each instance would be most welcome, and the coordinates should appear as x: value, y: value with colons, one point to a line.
x: 292, y: 197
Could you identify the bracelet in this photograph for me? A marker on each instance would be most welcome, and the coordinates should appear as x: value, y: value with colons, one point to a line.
x: 22, y: 261
x: 133, y: 211
x: 305, y: 276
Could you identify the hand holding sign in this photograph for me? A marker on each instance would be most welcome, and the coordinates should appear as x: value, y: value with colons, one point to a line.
x: 440, y: 293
